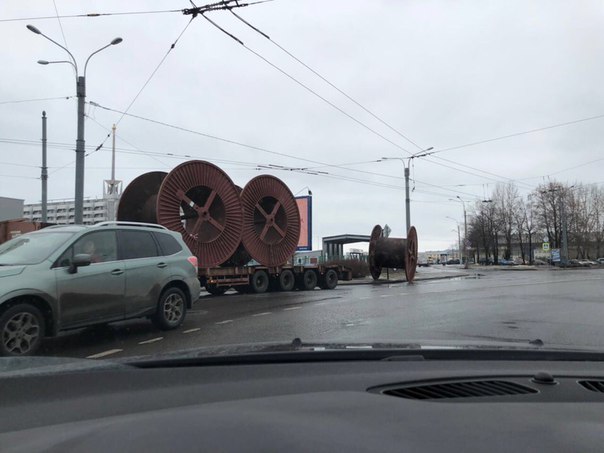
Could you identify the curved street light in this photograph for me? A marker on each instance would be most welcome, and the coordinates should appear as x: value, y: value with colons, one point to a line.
x: 81, y: 95
x: 422, y: 153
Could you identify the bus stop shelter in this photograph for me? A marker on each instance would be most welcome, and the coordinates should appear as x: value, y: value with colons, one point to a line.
x: 333, y: 246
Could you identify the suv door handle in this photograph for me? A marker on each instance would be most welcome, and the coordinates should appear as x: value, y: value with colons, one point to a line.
x: 162, y: 265
x: 117, y: 272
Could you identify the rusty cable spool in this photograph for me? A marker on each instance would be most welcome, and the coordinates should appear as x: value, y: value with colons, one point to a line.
x: 271, y: 220
x: 399, y: 253
x: 138, y: 202
x: 199, y: 200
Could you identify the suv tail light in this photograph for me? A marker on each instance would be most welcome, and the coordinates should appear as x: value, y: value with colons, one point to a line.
x: 193, y: 261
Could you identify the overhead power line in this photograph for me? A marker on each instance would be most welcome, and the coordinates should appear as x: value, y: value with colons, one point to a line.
x: 331, y: 84
x: 517, y: 134
x: 146, y: 83
x: 60, y: 24
x: 89, y: 15
x: 329, y: 102
x: 36, y: 100
x: 306, y: 87
x: 193, y: 12
x: 265, y: 150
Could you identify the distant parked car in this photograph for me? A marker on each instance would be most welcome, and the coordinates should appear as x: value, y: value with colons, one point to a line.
x: 600, y: 260
x: 453, y: 261
x: 587, y: 263
x: 504, y: 262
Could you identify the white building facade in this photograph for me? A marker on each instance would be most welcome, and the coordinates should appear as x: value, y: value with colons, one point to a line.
x: 62, y: 212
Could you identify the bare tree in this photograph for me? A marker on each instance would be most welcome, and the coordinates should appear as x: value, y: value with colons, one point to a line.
x: 505, y: 201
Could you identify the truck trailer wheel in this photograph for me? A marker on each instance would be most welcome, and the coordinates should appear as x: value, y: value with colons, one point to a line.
x: 308, y: 280
x: 287, y: 281
x: 329, y: 280
x: 259, y: 282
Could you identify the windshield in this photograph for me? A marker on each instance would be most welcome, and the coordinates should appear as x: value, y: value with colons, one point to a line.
x: 350, y: 173
x: 31, y: 248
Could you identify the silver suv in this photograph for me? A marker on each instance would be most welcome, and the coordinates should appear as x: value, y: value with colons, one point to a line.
x: 66, y: 277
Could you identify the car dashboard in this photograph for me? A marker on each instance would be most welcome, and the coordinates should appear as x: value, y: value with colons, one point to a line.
x: 409, y: 404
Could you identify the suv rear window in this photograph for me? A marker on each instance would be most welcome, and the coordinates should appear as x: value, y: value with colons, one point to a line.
x: 136, y: 244
x: 167, y: 243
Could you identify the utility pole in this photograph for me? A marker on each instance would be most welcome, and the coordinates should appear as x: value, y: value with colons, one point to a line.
x: 422, y: 153
x: 112, y: 190
x: 113, y: 154
x: 407, y: 201
x: 44, y: 175
x: 80, y: 153
x: 459, y: 243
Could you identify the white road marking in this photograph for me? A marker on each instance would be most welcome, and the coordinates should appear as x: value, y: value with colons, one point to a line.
x: 386, y: 295
x: 225, y: 322
x: 292, y: 308
x: 365, y: 298
x: 152, y: 340
x: 103, y: 354
x: 192, y: 330
x: 320, y: 303
x: 262, y: 314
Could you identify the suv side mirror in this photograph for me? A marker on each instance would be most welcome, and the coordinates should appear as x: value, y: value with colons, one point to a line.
x: 81, y: 259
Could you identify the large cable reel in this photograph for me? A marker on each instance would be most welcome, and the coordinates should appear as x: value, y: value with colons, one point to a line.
x: 399, y: 253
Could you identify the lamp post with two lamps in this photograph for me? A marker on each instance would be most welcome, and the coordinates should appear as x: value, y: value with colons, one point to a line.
x: 422, y: 153
x: 80, y: 141
x: 458, y: 238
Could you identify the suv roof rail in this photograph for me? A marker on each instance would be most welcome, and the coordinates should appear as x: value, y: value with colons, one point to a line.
x: 133, y: 224
x: 62, y: 225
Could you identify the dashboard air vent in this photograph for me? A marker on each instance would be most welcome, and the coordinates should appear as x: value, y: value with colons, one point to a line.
x: 594, y: 386
x: 468, y: 389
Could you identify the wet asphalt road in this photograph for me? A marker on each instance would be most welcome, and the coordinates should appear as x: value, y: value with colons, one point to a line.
x: 558, y: 307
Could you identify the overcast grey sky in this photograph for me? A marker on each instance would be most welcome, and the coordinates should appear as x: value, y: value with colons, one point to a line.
x: 443, y: 73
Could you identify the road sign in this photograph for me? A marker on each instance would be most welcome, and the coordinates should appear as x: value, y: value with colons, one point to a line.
x: 387, y: 231
x: 545, y: 246
x: 556, y: 255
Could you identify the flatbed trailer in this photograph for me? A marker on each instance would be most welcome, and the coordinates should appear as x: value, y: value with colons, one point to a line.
x: 259, y: 279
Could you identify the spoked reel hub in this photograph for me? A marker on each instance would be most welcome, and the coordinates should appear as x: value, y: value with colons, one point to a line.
x: 199, y: 200
x: 271, y: 220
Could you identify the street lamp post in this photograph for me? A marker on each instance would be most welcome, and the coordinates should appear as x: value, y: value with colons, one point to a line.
x: 422, y: 153
x: 458, y: 238
x: 465, y: 230
x: 80, y: 141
